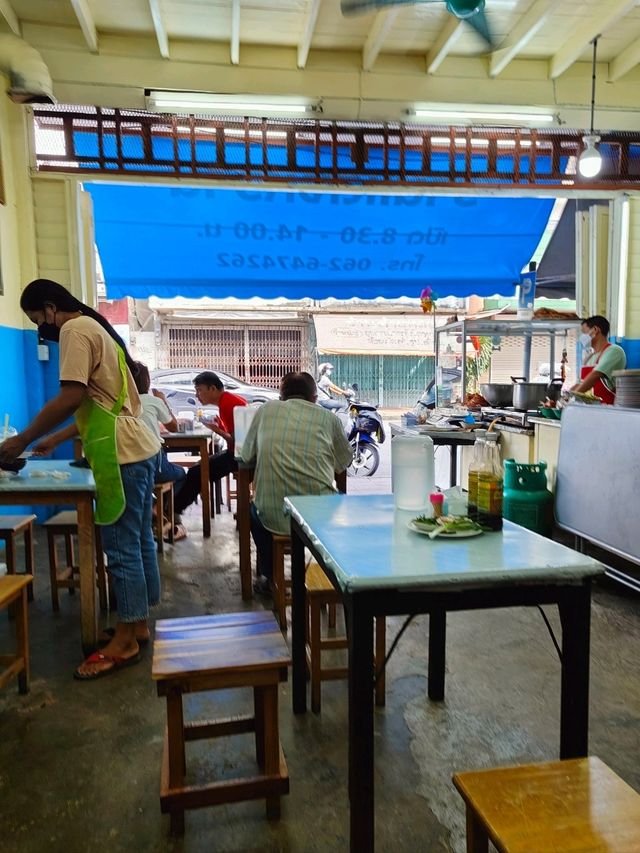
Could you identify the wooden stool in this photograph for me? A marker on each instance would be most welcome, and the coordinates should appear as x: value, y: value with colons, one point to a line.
x: 579, y: 804
x: 320, y: 591
x: 232, y: 491
x: 13, y: 594
x: 65, y: 524
x: 280, y: 586
x: 215, y: 653
x: 159, y: 491
x: 11, y: 526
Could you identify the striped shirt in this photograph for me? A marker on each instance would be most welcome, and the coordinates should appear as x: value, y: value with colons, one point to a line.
x: 297, y: 447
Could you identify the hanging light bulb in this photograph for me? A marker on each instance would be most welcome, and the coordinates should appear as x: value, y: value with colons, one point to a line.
x: 590, y: 161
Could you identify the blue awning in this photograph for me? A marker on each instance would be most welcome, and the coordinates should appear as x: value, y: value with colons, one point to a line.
x: 169, y: 241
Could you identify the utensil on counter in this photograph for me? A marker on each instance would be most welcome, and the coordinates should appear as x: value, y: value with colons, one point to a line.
x: 526, y: 395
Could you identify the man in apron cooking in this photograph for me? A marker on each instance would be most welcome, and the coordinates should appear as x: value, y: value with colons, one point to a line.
x: 604, y: 358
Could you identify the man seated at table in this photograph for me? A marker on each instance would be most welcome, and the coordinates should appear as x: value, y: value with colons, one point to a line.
x: 210, y: 391
x: 297, y: 448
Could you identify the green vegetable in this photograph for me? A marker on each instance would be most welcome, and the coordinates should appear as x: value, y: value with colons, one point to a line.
x: 450, y: 523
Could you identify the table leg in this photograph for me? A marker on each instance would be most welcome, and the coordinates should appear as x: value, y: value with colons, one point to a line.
x: 437, y: 650
x: 299, y: 673
x: 575, y: 616
x: 87, y: 569
x: 453, y: 465
x: 204, y: 488
x: 361, y: 759
x: 243, y: 480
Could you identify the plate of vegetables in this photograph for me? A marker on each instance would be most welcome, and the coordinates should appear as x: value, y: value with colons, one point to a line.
x: 447, y: 526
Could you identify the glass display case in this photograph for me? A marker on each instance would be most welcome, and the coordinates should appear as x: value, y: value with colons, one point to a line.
x: 493, y: 349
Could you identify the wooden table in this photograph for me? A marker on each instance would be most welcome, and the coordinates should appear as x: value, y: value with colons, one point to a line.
x: 578, y: 805
x: 244, y: 478
x: 199, y: 439
x: 381, y: 568
x: 77, y: 491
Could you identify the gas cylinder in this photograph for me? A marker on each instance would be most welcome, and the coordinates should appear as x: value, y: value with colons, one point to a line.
x: 526, y: 499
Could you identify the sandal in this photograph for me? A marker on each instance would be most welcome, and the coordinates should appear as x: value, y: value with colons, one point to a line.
x: 109, y: 633
x: 179, y: 532
x: 117, y: 663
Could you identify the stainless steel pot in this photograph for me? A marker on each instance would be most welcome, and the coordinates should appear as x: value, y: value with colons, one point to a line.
x: 496, y: 394
x: 527, y: 395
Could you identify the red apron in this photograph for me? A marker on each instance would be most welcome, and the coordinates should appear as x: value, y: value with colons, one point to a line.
x: 599, y: 389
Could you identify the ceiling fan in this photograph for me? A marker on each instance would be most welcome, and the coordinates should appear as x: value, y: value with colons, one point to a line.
x: 471, y: 11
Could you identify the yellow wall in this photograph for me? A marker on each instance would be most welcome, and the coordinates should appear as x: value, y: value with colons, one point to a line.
x: 633, y: 278
x: 16, y: 221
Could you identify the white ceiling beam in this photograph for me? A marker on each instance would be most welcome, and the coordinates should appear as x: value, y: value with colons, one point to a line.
x: 625, y: 61
x: 307, y: 32
x: 529, y: 24
x: 235, y: 32
x: 609, y: 11
x: 382, y: 23
x: 158, y: 25
x: 88, y: 27
x: 447, y: 37
x: 10, y: 16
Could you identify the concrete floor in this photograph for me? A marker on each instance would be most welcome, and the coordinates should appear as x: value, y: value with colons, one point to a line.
x: 79, y: 763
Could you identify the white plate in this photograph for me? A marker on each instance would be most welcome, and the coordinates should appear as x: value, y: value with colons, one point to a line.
x: 459, y: 534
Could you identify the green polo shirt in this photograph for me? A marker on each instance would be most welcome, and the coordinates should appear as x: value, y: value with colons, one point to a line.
x: 613, y: 358
x: 296, y: 447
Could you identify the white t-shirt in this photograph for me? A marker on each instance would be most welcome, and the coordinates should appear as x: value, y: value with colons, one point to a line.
x: 154, y: 412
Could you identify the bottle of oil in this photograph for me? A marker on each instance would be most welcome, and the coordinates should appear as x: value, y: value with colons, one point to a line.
x: 485, y: 484
x: 476, y: 456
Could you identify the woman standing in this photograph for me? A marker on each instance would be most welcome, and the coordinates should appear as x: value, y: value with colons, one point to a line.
x: 98, y: 389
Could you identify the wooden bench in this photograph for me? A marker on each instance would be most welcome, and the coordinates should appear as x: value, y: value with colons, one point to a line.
x: 574, y: 805
x: 65, y: 524
x: 215, y: 653
x: 12, y: 526
x: 13, y: 595
x: 320, y: 592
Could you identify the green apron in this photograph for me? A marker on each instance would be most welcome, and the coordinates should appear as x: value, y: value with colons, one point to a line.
x: 97, y: 428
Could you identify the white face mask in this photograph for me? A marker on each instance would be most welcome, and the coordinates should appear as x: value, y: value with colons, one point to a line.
x: 586, y: 341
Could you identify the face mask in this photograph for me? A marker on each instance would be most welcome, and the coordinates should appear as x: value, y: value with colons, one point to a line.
x: 49, y: 332
x: 585, y: 340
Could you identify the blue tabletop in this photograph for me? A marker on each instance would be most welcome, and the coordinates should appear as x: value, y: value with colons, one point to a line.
x: 367, y: 544
x: 81, y: 479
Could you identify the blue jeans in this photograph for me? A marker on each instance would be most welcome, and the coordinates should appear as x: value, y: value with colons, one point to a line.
x: 168, y: 472
x: 129, y: 545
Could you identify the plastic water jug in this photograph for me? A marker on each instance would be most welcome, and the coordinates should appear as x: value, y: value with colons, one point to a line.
x: 527, y: 501
x: 242, y: 417
x: 412, y: 472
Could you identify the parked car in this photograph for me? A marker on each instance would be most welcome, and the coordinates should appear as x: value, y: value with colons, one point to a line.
x: 177, y: 386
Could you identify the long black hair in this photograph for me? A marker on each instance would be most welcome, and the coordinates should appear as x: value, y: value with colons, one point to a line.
x: 43, y: 291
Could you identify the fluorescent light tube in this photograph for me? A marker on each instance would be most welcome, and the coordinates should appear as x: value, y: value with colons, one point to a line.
x: 245, y: 104
x: 512, y: 115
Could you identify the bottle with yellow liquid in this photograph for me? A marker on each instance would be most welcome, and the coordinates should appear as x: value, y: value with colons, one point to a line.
x: 486, y: 483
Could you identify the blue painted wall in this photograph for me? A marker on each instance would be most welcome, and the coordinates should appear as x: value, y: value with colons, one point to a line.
x: 632, y: 348
x: 25, y: 385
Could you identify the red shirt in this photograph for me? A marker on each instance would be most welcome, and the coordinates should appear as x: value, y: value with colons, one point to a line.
x: 226, y: 405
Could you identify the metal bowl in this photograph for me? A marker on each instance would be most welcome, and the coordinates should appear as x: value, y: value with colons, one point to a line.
x: 497, y: 394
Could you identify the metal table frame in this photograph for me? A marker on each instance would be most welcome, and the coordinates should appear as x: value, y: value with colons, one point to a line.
x: 574, y: 603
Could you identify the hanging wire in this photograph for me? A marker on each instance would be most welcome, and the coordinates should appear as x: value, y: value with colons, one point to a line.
x: 593, y: 80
